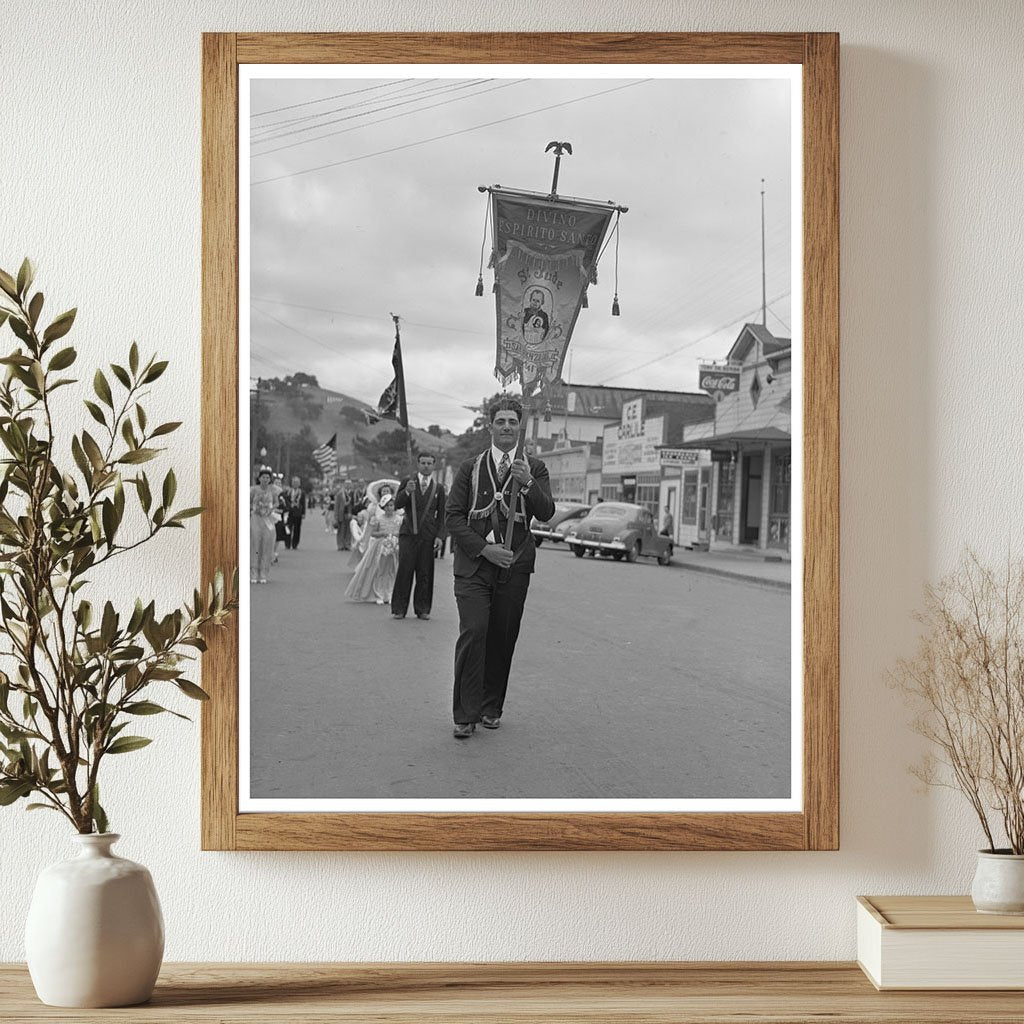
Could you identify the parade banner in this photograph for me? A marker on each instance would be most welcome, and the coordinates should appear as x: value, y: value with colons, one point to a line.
x: 392, y: 400
x: 545, y: 256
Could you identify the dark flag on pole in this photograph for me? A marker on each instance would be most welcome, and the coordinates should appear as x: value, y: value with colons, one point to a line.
x: 392, y: 402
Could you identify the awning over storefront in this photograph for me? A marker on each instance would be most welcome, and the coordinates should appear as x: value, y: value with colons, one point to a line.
x: 729, y: 442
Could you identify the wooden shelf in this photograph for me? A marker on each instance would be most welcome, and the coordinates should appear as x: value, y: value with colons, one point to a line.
x: 680, y: 993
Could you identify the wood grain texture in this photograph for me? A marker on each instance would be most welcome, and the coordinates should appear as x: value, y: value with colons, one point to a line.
x: 522, y: 48
x: 527, y: 832
x: 936, y: 912
x: 821, y: 441
x: 818, y: 826
x: 219, y: 430
x: 659, y: 993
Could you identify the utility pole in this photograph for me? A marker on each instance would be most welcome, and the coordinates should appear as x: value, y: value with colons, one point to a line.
x: 764, y: 288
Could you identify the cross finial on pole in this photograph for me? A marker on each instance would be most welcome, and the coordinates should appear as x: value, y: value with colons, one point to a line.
x: 559, y: 148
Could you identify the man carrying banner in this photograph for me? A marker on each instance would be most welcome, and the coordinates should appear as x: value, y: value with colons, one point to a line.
x: 491, y: 580
x: 420, y: 537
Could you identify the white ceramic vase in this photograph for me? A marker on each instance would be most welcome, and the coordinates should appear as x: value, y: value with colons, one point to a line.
x: 999, y: 883
x: 95, y: 934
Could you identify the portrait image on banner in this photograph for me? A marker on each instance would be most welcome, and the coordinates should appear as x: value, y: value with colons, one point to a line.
x: 545, y: 256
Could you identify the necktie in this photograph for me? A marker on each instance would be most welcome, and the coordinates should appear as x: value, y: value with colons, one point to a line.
x: 503, y: 468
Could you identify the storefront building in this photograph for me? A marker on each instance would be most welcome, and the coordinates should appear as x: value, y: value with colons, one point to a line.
x: 580, y: 412
x: 574, y: 472
x: 749, y: 442
x: 631, y: 464
x: 685, y: 502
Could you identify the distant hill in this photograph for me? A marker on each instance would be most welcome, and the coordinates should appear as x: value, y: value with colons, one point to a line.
x: 331, y: 412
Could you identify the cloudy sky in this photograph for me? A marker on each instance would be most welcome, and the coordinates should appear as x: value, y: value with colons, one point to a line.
x: 363, y: 202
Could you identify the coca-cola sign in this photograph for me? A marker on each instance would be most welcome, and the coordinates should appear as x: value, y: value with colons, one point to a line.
x: 717, y: 379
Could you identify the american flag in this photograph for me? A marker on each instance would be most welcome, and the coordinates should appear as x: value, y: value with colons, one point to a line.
x: 327, y: 456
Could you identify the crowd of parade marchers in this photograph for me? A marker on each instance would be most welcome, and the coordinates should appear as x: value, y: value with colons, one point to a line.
x: 396, y: 529
x: 364, y: 517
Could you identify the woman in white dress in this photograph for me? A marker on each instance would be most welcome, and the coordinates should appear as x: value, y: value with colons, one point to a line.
x: 358, y: 535
x: 374, y: 577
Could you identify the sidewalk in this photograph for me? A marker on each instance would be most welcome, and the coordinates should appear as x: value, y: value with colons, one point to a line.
x: 742, y: 565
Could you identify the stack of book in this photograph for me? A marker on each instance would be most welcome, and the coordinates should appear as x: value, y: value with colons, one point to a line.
x: 938, y: 942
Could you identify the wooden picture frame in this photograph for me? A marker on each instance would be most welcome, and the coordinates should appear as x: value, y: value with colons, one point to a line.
x: 816, y: 827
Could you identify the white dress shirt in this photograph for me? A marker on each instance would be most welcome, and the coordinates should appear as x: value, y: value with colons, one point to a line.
x: 497, y: 454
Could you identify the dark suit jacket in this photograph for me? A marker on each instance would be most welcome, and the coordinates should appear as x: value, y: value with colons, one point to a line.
x: 344, y: 502
x: 296, y: 506
x: 468, y: 535
x: 429, y: 519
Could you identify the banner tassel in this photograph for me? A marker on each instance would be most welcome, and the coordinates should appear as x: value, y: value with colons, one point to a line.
x: 483, y: 247
x: 615, y: 300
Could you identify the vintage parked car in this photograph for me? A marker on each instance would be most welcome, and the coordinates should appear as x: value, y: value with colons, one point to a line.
x: 618, y: 530
x: 553, y: 529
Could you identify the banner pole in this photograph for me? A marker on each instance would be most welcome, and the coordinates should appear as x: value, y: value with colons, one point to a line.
x: 403, y: 414
x: 514, y: 496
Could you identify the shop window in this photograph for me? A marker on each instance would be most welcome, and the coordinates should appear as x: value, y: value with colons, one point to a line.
x: 780, y: 483
x: 648, y: 492
x: 688, y: 513
x: 726, y: 496
x: 778, y: 511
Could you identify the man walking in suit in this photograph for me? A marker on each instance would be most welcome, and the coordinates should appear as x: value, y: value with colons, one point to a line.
x: 420, y: 537
x: 490, y: 581
x: 295, y: 514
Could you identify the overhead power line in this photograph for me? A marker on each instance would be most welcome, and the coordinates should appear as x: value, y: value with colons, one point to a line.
x: 392, y: 117
x: 402, y: 86
x: 690, y: 344
x: 373, y: 110
x: 337, y: 95
x: 345, y: 355
x: 368, y: 316
x: 449, y: 135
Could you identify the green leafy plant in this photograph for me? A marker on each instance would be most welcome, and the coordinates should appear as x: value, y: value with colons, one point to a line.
x: 80, y: 672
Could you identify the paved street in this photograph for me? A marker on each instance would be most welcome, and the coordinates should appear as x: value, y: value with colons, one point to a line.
x: 629, y: 681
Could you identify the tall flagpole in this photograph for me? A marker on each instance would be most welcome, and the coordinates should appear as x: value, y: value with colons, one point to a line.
x: 403, y: 418
x: 764, y: 286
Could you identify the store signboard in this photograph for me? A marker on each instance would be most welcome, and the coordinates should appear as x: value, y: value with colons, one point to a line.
x: 633, y: 454
x: 719, y: 381
x: 632, y: 424
x: 678, y: 456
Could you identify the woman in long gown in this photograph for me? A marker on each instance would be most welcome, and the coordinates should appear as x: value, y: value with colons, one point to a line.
x: 375, y: 575
x: 357, y: 530
x: 262, y: 508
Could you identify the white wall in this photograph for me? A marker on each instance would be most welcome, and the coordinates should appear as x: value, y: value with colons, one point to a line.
x: 100, y: 182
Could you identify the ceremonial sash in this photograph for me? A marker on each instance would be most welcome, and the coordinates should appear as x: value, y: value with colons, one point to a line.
x: 500, y: 498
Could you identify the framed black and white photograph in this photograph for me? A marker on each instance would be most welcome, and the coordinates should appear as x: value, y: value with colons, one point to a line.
x: 526, y: 421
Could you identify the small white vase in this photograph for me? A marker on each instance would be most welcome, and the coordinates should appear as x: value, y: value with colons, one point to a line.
x: 95, y: 934
x: 999, y: 883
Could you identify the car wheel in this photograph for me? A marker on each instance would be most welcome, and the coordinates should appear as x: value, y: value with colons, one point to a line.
x: 634, y: 552
x: 665, y: 558
x: 577, y: 550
